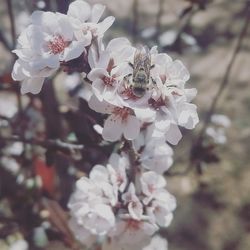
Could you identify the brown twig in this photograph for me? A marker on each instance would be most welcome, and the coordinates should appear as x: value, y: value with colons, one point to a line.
x: 223, y: 85
x: 158, y: 19
x: 12, y: 22
x: 57, y: 144
x: 135, y: 20
x: 225, y: 80
x: 133, y: 156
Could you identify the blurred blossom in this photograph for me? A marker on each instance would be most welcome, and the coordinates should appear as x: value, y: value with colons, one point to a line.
x: 40, y: 237
x: 217, y: 134
x: 217, y: 129
x: 41, y: 4
x: 10, y: 165
x: 221, y: 120
x: 19, y: 245
x: 15, y: 148
x: 9, y: 101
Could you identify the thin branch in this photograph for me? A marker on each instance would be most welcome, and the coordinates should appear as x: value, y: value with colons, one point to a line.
x: 135, y: 20
x: 133, y: 156
x: 158, y: 19
x: 225, y: 80
x: 5, y: 42
x: 12, y: 22
x: 57, y: 144
x: 223, y: 85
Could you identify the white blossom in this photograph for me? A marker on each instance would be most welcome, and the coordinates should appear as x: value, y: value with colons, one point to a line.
x: 85, y: 20
x: 156, y: 154
x: 91, y: 203
x: 130, y: 199
x: 121, y: 120
x: 117, y: 171
x: 47, y: 41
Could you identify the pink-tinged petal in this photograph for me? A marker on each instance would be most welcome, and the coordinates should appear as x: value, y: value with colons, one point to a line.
x: 74, y: 50
x: 173, y: 135
x: 97, y: 73
x: 32, y: 85
x: 112, y: 130
x: 96, y: 13
x: 105, y: 24
x: 101, y: 107
x: 131, y: 128
x: 80, y: 10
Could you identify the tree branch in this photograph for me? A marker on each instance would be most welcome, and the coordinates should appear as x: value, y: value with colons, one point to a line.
x: 57, y: 144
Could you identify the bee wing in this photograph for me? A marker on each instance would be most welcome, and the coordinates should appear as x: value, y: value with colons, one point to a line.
x: 142, y: 59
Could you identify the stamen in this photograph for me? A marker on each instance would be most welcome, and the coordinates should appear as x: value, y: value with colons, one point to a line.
x: 109, y: 81
x: 123, y: 113
x: 57, y: 45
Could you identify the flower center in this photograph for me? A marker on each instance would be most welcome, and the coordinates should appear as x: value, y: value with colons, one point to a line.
x: 128, y: 93
x: 109, y: 81
x: 151, y: 188
x: 133, y: 224
x: 57, y: 45
x: 156, y: 104
x: 123, y: 113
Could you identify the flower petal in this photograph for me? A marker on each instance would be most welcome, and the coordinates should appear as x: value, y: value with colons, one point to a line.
x: 32, y: 85
x: 112, y: 130
x: 80, y: 10
x: 131, y: 128
x: 173, y: 135
x: 105, y: 24
x: 74, y: 50
x: 96, y: 13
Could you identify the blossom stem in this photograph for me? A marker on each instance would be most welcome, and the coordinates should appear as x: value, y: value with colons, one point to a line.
x: 133, y: 156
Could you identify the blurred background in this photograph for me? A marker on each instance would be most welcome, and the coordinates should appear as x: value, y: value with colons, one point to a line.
x: 210, y: 176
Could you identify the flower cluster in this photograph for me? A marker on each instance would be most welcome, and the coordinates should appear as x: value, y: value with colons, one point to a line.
x: 143, y: 98
x: 54, y: 39
x: 109, y: 204
x: 163, y: 107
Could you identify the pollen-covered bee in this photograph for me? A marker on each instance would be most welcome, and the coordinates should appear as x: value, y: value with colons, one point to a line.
x: 140, y: 80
